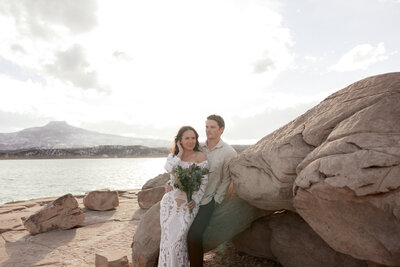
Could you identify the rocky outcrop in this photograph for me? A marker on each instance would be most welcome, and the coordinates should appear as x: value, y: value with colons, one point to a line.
x: 264, y: 173
x: 348, y: 188
x: 294, y: 243
x: 146, y: 241
x: 158, y: 181
x: 285, y: 237
x: 256, y: 239
x: 101, y: 200
x: 148, y: 197
x: 152, y: 191
x: 288, y: 239
x: 63, y: 213
x: 101, y: 261
x: 338, y: 166
x: 232, y: 217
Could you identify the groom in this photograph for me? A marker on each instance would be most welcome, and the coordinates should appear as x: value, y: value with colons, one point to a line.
x: 218, y: 154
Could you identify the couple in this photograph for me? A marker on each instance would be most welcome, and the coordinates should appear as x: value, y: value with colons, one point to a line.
x: 183, y: 223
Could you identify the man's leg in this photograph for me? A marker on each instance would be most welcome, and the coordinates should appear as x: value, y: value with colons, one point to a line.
x: 195, y: 234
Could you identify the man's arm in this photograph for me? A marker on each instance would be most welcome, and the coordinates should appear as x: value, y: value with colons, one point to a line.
x: 225, y: 179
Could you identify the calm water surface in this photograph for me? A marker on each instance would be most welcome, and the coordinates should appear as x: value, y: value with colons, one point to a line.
x: 28, y: 179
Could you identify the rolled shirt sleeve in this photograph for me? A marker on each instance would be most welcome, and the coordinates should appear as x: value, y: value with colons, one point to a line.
x: 225, y: 178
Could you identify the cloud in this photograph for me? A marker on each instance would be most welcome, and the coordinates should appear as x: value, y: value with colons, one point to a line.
x: 17, y: 49
x: 264, y: 65
x: 71, y: 66
x: 122, y: 56
x: 393, y: 1
x: 37, y: 30
x: 16, y: 121
x: 360, y: 57
x: 40, y: 18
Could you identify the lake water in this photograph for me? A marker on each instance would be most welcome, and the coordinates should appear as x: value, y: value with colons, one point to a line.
x: 29, y: 179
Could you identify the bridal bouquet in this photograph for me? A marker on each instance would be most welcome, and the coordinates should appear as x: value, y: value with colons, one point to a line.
x: 189, y: 179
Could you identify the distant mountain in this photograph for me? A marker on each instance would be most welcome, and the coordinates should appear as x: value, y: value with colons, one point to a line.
x: 59, y: 134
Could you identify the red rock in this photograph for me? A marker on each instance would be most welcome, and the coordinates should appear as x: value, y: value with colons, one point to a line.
x: 148, y: 197
x: 63, y: 213
x: 101, y: 200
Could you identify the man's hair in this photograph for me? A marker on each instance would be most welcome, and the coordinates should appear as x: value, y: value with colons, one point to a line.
x: 218, y: 119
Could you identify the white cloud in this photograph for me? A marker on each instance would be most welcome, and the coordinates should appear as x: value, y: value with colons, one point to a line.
x: 15, y: 121
x: 72, y: 66
x: 311, y: 59
x: 43, y: 18
x: 360, y: 57
x: 207, y: 48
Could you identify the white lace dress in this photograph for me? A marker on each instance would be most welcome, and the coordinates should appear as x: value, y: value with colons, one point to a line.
x: 176, y: 219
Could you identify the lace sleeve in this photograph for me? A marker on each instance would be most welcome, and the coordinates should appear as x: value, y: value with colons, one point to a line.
x: 198, y: 195
x: 172, y: 162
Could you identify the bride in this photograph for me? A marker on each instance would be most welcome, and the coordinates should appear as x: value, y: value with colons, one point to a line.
x: 175, y: 215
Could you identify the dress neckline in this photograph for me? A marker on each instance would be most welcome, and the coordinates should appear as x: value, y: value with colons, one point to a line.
x: 193, y: 162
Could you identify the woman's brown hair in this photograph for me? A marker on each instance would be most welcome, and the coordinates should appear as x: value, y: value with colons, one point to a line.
x: 178, y: 138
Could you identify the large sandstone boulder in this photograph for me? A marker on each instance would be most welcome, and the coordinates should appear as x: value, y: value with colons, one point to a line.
x: 232, y: 217
x: 256, y: 239
x: 148, y: 197
x: 287, y: 238
x: 146, y: 240
x: 63, y: 213
x: 101, y: 261
x: 348, y: 188
x: 152, y: 191
x: 295, y: 244
x: 264, y: 173
x: 158, y: 181
x: 338, y: 166
x: 101, y: 200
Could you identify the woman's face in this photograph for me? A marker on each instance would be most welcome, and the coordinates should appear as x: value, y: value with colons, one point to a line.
x: 188, y: 140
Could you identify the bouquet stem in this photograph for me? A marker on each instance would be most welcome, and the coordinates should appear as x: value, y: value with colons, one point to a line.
x: 189, y: 198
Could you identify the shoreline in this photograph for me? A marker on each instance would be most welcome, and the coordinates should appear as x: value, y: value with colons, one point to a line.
x: 76, y: 195
x: 90, y: 157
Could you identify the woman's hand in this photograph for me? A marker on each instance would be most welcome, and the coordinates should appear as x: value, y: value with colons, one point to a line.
x: 191, y: 204
x: 180, y: 152
x: 168, y: 187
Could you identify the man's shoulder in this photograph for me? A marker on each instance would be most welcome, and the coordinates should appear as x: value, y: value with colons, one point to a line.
x: 228, y: 149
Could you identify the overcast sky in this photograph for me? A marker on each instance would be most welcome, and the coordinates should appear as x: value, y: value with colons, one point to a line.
x: 145, y: 68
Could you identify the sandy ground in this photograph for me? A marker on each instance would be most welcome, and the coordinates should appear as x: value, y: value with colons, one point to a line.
x: 108, y: 233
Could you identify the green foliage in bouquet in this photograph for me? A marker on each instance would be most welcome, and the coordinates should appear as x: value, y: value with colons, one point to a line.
x: 189, y: 179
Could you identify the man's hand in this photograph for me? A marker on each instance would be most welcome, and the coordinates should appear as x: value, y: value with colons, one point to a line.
x: 168, y: 187
x: 191, y: 204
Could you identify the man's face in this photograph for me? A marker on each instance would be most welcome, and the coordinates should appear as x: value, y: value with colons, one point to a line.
x: 213, y: 131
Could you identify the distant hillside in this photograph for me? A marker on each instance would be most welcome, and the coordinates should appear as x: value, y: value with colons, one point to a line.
x: 59, y: 134
x: 92, y: 152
